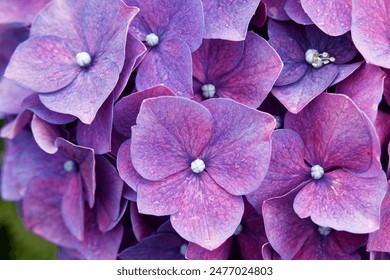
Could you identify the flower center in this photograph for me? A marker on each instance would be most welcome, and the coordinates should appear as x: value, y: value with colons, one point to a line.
x: 151, y: 40
x: 197, y: 165
x: 317, y: 59
x: 183, y: 249
x: 317, y: 172
x: 279, y: 122
x: 238, y: 230
x: 208, y: 90
x: 324, y: 231
x: 70, y: 166
x: 83, y: 59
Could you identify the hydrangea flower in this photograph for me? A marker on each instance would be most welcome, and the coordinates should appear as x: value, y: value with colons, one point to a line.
x: 296, y: 238
x: 206, y: 154
x: 370, y: 32
x: 243, y: 71
x: 74, y: 47
x: 171, y: 31
x: 341, y: 184
x: 312, y: 62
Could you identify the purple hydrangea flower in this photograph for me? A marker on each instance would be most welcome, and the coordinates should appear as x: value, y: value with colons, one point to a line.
x: 296, y: 238
x: 171, y: 31
x: 340, y: 182
x: 206, y: 151
x: 370, y: 31
x: 222, y: 20
x: 312, y: 62
x: 74, y: 55
x: 332, y: 16
x: 243, y: 71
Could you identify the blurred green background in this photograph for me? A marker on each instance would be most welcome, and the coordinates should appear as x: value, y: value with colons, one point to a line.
x: 15, y: 242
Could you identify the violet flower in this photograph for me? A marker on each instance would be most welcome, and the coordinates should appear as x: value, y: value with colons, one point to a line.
x: 171, y: 31
x: 216, y: 151
x: 340, y: 182
x: 312, y: 62
x: 74, y: 47
x: 243, y: 71
x: 296, y: 238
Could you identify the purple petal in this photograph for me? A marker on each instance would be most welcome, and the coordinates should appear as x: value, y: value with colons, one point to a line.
x: 20, y: 11
x: 369, y: 78
x: 45, y: 134
x: 108, y: 194
x: 43, y: 64
x: 331, y: 16
x: 287, y: 169
x: 170, y: 132
x: 337, y: 120
x: 12, y: 96
x: 208, y: 215
x: 276, y: 10
x: 126, y: 110
x: 259, y: 68
x: 382, y: 128
x: 343, y: 201
x: 13, y: 128
x: 196, y: 252
x: 221, y: 22
x: 387, y: 85
x: 238, y: 155
x: 295, y: 11
x: 371, y: 37
x: 344, y: 71
x: 169, y: 19
x: 72, y: 206
x: 167, y: 63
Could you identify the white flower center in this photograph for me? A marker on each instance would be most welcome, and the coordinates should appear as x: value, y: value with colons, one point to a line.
x: 183, y: 249
x: 324, y: 231
x: 83, y: 59
x: 70, y: 166
x: 317, y: 59
x: 197, y: 165
x: 208, y: 90
x: 238, y: 230
x: 151, y: 40
x: 317, y: 172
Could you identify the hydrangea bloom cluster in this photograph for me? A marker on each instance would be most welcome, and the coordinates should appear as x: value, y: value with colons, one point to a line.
x: 198, y: 129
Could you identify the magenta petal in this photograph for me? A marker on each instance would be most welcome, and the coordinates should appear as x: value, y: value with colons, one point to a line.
x: 108, y: 194
x: 331, y: 16
x: 196, y: 252
x: 170, y: 132
x: 380, y: 239
x: 344, y: 71
x: 13, y: 128
x: 295, y: 11
x: 20, y: 11
x: 72, y: 207
x: 371, y: 37
x: 43, y: 64
x: 275, y: 9
x: 343, y: 201
x: 95, y: 84
x: 208, y: 215
x: 297, y: 95
x: 369, y: 78
x: 221, y: 21
x: 287, y: 169
x: 167, y: 63
x: 259, y: 68
x: 337, y: 120
x: 11, y: 96
x: 126, y: 110
x: 45, y: 134
x: 238, y: 155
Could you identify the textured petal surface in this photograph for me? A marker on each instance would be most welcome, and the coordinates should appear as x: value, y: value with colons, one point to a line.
x: 169, y: 19
x: 365, y: 87
x: 238, y: 155
x: 208, y: 214
x: 370, y: 31
x: 168, y: 63
x: 20, y: 11
x: 326, y: 126
x: 287, y: 169
x: 275, y: 9
x: 170, y: 132
x: 221, y: 21
x: 43, y: 64
x: 45, y: 134
x: 253, y: 78
x: 126, y: 110
x: 295, y: 11
x: 343, y: 201
x: 331, y: 16
x: 196, y: 252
